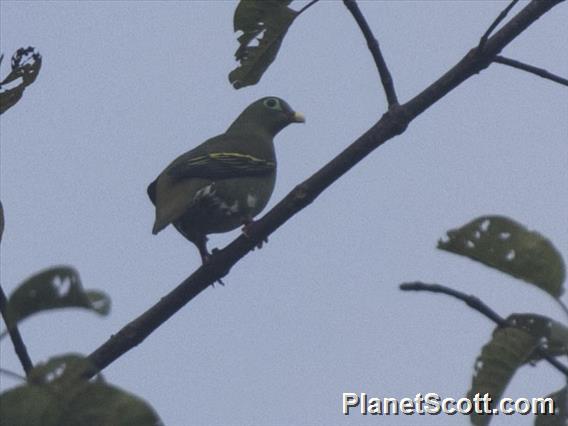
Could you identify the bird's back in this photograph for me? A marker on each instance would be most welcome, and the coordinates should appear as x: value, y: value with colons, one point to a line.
x: 175, y: 196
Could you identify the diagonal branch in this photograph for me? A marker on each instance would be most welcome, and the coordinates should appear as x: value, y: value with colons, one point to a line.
x: 494, y: 24
x: 529, y: 68
x: 15, y: 335
x: 475, y: 303
x: 373, y: 44
x: 392, y: 123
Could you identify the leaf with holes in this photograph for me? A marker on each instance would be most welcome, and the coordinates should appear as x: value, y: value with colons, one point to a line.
x: 264, y: 22
x: 509, y: 349
x: 560, y: 417
x: 554, y: 335
x: 26, y: 64
x: 65, y: 370
x: 54, y: 288
x: 503, y: 244
x: 57, y: 395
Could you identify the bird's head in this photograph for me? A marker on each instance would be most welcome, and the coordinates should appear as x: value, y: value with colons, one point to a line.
x: 270, y: 114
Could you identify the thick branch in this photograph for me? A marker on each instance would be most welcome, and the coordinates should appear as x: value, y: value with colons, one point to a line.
x: 373, y: 44
x: 15, y: 336
x: 529, y: 68
x: 391, y: 124
x: 481, y: 307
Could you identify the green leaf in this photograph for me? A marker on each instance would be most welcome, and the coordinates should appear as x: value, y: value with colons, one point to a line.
x: 62, y: 370
x: 26, y: 63
x: 555, y: 334
x: 54, y: 288
x: 560, y: 417
x: 99, y: 404
x: 503, y: 244
x: 500, y: 358
x: 30, y: 406
x: 57, y: 395
x: 265, y: 22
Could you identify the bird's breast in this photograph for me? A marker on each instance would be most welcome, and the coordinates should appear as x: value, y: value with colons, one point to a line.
x: 224, y: 205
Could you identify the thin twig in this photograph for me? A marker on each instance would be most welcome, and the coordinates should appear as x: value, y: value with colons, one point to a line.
x: 15, y: 335
x: 478, y: 305
x: 310, y: 4
x: 496, y: 22
x: 373, y: 44
x: 529, y: 68
x: 12, y: 374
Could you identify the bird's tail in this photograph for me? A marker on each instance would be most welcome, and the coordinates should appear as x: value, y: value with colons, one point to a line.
x: 158, y: 227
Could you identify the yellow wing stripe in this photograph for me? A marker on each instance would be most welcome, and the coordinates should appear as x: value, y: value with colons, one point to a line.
x: 228, y: 156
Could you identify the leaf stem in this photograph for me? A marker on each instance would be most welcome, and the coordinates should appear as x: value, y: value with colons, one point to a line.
x: 15, y: 335
x: 12, y: 374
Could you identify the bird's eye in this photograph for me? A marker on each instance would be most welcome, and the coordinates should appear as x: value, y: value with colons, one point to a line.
x: 272, y: 103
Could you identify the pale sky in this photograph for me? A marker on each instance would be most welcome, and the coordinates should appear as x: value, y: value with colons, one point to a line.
x: 125, y: 87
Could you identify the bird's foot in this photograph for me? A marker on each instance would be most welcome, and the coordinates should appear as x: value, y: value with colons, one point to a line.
x: 249, y: 231
x: 220, y: 281
x: 206, y: 256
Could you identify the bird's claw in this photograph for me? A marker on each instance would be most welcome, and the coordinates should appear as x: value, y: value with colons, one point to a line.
x: 220, y: 281
x: 249, y: 231
x: 206, y: 258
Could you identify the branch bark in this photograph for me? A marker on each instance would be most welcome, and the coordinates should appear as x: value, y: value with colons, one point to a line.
x: 392, y: 123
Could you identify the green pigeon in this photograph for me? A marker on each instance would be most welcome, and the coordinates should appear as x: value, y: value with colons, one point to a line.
x: 227, y: 180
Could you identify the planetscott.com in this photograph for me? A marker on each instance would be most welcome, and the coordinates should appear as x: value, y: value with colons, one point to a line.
x: 432, y: 403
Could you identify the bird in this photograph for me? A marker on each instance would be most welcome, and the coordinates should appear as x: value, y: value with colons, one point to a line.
x: 227, y: 180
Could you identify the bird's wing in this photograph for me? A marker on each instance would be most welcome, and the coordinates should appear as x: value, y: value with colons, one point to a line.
x: 219, y: 165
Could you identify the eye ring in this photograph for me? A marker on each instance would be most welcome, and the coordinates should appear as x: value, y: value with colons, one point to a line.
x: 273, y: 103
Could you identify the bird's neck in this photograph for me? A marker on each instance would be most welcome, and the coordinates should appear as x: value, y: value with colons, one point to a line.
x: 259, y: 142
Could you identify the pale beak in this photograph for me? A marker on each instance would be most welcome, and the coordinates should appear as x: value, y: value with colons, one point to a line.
x: 298, y: 117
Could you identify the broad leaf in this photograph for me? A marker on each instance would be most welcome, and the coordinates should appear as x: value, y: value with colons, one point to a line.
x: 508, y: 246
x: 58, y: 396
x: 30, y: 406
x: 552, y: 334
x: 264, y: 23
x: 55, y: 288
x: 560, y: 417
x: 26, y: 64
x: 62, y: 370
x: 500, y: 358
